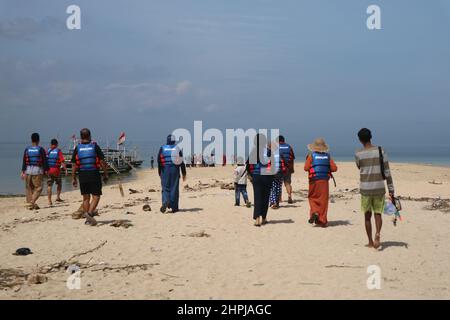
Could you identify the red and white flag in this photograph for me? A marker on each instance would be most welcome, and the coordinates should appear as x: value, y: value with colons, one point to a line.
x: 121, y: 138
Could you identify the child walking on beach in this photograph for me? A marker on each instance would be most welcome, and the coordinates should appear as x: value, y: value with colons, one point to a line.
x: 240, y: 183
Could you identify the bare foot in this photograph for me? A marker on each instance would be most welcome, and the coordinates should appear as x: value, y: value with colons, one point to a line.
x: 376, y: 243
x: 264, y: 221
x: 369, y: 245
x: 257, y: 222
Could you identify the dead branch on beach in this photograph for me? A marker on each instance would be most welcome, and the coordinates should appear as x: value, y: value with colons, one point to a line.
x: 343, y: 266
x: 88, y: 251
x: 11, y: 278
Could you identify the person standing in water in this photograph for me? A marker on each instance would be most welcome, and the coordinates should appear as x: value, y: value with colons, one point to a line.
x: 34, y: 166
x: 87, y: 160
x: 320, y: 167
x: 170, y: 162
x: 373, y: 166
x: 55, y: 160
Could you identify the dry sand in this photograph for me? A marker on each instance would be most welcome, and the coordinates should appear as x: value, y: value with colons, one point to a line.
x: 211, y: 250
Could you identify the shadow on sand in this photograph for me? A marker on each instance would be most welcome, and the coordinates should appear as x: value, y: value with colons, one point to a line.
x: 108, y: 222
x: 191, y: 210
x: 280, y: 221
x: 339, y: 223
x: 387, y: 244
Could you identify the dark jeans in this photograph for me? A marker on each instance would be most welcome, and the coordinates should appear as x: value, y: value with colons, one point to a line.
x: 261, y: 191
x: 238, y: 189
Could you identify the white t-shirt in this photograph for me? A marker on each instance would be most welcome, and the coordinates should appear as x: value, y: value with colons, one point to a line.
x: 240, y: 175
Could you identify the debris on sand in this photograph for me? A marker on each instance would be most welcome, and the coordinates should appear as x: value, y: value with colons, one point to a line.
x: 22, y: 252
x: 439, y: 204
x: 151, y: 190
x: 79, y: 214
x: 216, y: 184
x: 10, y: 278
x: 146, y: 207
x: 201, y: 234
x: 121, y: 223
x: 130, y: 212
x: 36, y: 278
x: 132, y: 191
x: 435, y: 182
x: 227, y: 186
x: 435, y: 203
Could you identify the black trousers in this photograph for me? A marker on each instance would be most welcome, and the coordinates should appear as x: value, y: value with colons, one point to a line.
x: 261, y: 192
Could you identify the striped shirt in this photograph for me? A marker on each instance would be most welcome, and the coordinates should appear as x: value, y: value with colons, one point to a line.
x: 372, y: 182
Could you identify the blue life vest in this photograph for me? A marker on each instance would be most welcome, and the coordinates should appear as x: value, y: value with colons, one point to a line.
x: 87, y: 159
x: 53, y: 158
x: 320, y: 167
x: 285, y: 152
x: 261, y: 168
x: 33, y: 156
x: 170, y: 155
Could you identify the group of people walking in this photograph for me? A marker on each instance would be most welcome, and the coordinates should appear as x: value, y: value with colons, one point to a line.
x: 267, y: 169
x: 269, y: 165
x: 87, y: 160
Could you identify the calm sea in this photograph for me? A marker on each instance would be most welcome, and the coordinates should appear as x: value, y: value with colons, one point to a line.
x: 11, y: 159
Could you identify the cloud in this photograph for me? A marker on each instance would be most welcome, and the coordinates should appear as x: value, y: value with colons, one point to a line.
x: 25, y: 28
x: 183, y: 87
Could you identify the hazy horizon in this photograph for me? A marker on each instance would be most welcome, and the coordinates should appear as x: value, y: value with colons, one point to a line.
x: 310, y: 68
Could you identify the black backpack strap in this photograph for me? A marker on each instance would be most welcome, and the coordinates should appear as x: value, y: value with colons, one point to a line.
x: 380, y: 151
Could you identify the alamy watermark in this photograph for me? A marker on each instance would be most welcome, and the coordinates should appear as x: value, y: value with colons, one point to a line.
x: 73, y: 281
x: 373, y: 21
x: 374, y: 280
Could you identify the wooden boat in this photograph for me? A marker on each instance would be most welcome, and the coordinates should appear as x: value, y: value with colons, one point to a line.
x: 118, y: 161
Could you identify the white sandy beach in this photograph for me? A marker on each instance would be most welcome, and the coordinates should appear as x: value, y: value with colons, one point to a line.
x: 211, y: 250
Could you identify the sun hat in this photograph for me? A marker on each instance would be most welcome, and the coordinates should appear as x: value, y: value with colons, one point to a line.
x: 319, y: 145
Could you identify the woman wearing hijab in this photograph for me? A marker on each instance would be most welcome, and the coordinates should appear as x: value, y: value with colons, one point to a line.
x: 320, y: 167
x: 261, y: 175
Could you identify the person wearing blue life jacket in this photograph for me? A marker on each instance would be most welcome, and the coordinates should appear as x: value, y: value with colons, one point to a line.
x: 280, y: 171
x: 55, y: 160
x: 34, y: 167
x: 287, y: 154
x: 170, y: 163
x: 320, y: 167
x: 261, y: 171
x: 87, y: 160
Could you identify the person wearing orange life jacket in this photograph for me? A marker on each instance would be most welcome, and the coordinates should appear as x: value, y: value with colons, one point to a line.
x: 34, y: 166
x: 87, y: 160
x: 55, y: 161
x: 320, y: 167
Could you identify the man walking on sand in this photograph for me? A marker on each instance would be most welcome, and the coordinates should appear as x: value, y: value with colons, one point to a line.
x: 287, y: 154
x: 34, y: 166
x: 170, y: 162
x: 55, y: 160
x: 87, y: 159
x: 374, y: 169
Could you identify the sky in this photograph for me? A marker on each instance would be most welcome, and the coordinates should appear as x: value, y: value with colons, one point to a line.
x: 308, y: 67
